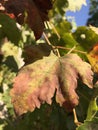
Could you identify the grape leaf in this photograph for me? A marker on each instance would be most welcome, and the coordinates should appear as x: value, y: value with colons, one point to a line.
x: 71, y: 69
x: 67, y: 5
x: 9, y: 29
x: 37, y: 82
x: 86, y: 37
x: 92, y: 110
x: 35, y: 52
x: 59, y: 7
x: 33, y: 12
x: 93, y: 106
x: 89, y: 125
x: 92, y: 56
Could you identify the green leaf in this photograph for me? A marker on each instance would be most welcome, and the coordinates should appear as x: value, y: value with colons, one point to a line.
x: 2, y: 126
x: 63, y: 26
x: 89, y: 125
x: 59, y: 8
x: 69, y: 41
x: 85, y: 37
x: 93, y: 106
x: 9, y: 29
x: 92, y: 110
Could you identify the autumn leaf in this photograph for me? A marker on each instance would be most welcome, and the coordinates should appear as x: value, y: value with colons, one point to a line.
x: 92, y: 56
x: 33, y: 12
x: 72, y: 67
x: 35, y: 52
x: 37, y: 82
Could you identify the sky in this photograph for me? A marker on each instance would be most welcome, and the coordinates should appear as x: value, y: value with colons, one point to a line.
x: 80, y: 16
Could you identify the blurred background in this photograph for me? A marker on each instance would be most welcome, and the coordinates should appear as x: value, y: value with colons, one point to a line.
x: 88, y: 15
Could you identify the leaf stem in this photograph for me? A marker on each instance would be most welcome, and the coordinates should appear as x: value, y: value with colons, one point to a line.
x: 46, y: 38
x: 66, y: 48
x: 54, y: 29
x: 75, y: 118
x: 72, y: 49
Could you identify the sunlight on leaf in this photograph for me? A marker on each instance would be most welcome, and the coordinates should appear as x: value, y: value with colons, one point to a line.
x: 92, y: 56
x: 9, y: 49
x: 95, y: 29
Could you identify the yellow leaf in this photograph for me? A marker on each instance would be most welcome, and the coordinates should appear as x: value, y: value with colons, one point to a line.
x: 93, y: 58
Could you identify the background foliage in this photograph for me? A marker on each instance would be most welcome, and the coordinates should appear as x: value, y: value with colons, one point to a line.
x: 93, y: 12
x: 22, y: 42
